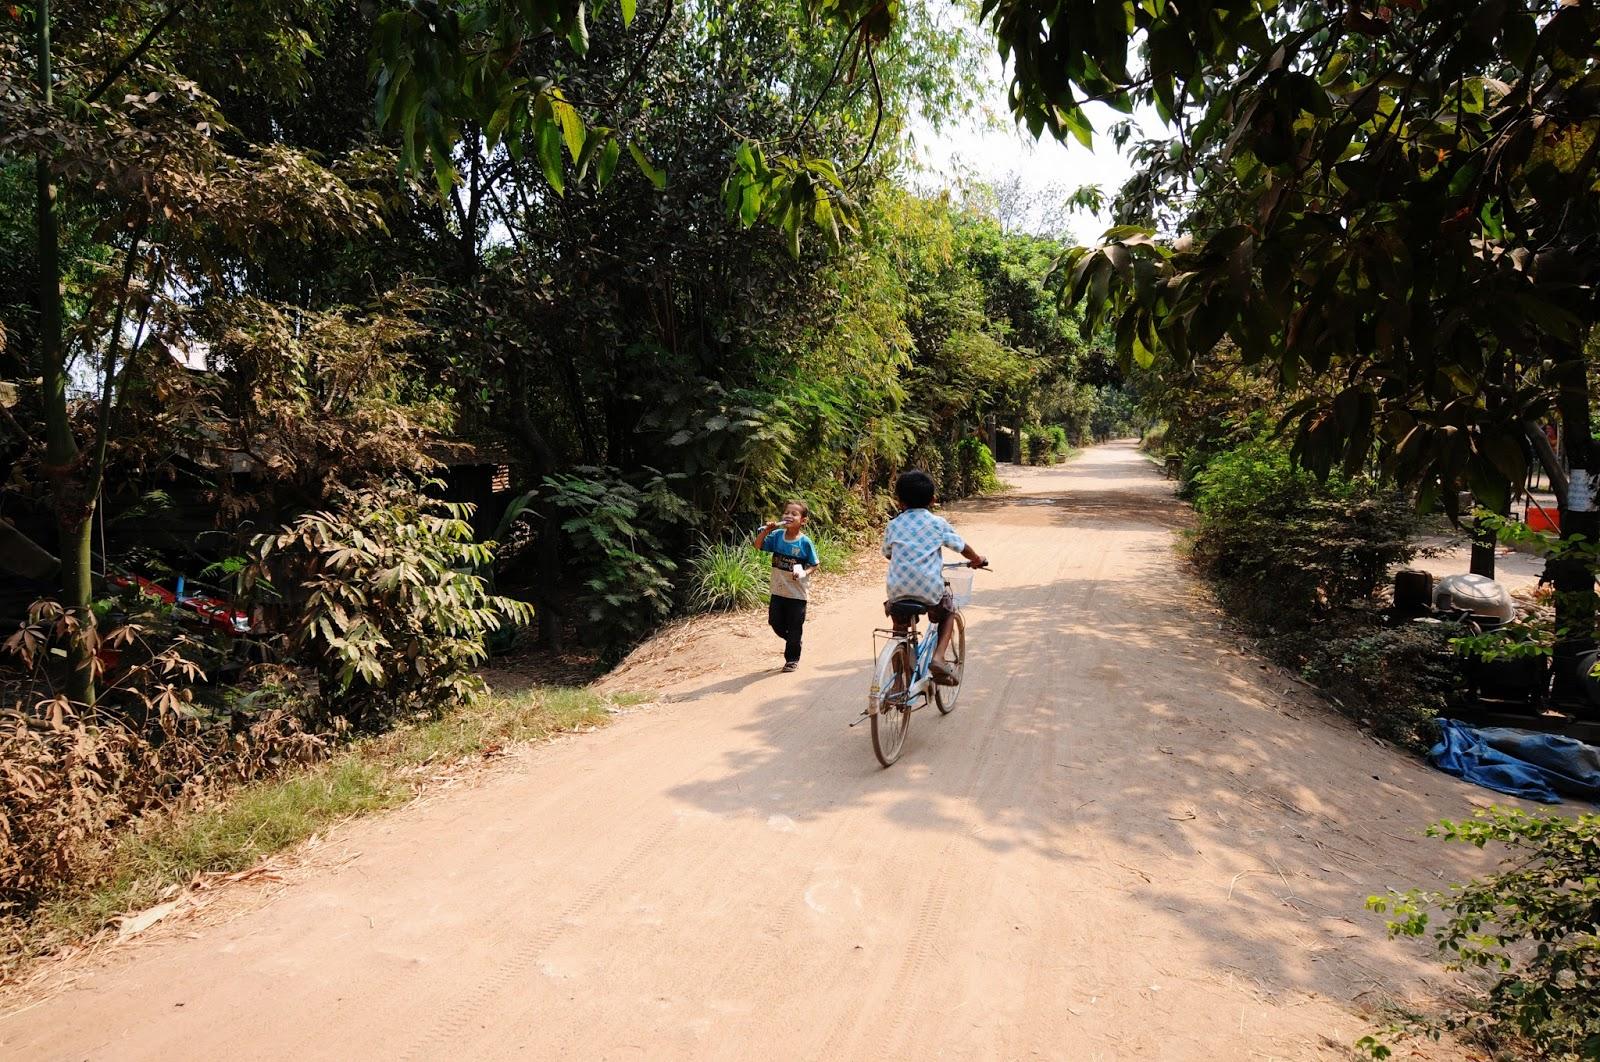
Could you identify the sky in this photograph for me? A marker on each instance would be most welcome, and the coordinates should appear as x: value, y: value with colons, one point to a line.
x: 992, y: 149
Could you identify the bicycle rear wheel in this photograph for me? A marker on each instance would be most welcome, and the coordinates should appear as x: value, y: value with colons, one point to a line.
x: 893, y: 717
x: 945, y: 696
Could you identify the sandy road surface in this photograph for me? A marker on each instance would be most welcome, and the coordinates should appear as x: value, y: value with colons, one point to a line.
x: 1127, y: 843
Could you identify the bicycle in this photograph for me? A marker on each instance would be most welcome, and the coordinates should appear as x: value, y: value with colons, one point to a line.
x: 902, y: 681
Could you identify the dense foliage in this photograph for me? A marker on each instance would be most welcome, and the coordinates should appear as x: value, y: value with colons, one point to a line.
x: 1531, y: 927
x: 1394, y: 198
x: 384, y: 601
x: 1286, y: 549
x: 269, y: 308
x: 1301, y: 561
x: 1389, y: 210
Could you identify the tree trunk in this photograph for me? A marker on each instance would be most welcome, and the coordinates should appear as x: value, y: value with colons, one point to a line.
x: 1574, y: 578
x: 74, y: 507
x: 1484, y: 542
x: 548, y: 546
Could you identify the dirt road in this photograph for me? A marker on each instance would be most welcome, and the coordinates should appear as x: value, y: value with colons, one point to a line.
x: 1129, y: 842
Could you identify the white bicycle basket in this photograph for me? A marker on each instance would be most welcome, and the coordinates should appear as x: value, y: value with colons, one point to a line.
x: 960, y: 582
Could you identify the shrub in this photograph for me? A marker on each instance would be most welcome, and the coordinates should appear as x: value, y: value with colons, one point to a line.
x: 1238, y: 481
x: 1046, y: 444
x: 1534, y: 927
x: 385, y: 603
x: 1059, y: 443
x: 70, y: 773
x: 728, y: 575
x: 1037, y: 445
x: 975, y: 468
x: 619, y: 536
x: 1286, y: 550
x: 1395, y: 681
x: 1207, y: 410
x: 69, y: 777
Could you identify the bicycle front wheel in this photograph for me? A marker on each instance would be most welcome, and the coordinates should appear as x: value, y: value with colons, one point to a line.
x: 893, y: 717
x: 945, y: 696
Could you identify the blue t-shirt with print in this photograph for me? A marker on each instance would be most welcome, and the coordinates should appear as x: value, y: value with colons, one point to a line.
x: 799, y: 549
x: 787, y: 555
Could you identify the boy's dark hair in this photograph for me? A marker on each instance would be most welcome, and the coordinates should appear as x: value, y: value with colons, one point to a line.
x: 914, y: 489
x: 805, y: 510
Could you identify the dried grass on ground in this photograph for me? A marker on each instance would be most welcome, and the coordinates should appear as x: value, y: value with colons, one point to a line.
x: 150, y: 860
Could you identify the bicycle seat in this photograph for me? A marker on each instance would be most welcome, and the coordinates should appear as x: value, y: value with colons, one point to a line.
x: 907, y: 608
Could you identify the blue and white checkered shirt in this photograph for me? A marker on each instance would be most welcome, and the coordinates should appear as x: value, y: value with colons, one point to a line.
x: 913, y: 542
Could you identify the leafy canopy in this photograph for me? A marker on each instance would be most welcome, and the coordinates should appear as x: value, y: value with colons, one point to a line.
x: 1401, y: 199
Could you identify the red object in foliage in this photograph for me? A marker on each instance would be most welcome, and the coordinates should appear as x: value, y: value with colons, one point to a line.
x: 214, y: 611
x: 1543, y: 520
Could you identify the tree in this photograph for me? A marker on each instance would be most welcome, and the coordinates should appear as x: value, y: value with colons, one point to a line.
x: 130, y: 144
x: 487, y: 73
x: 664, y: 322
x: 1398, y: 200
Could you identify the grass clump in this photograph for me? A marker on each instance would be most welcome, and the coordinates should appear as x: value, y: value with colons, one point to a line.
x: 501, y: 720
x: 730, y: 576
x: 833, y: 552
x: 727, y: 576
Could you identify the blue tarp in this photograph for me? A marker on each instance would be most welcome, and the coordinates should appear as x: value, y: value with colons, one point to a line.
x: 1523, y: 763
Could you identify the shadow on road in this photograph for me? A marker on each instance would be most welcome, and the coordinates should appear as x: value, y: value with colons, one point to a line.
x: 1108, y: 724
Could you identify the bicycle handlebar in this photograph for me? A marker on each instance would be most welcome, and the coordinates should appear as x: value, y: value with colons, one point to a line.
x: 953, y: 567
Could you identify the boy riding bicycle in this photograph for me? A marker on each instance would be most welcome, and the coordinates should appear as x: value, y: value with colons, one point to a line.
x: 913, y: 542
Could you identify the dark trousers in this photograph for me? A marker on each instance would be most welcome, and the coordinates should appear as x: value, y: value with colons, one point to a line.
x: 788, y: 619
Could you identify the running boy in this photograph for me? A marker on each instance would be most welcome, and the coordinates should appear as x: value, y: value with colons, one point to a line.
x: 794, y: 558
x: 914, y: 542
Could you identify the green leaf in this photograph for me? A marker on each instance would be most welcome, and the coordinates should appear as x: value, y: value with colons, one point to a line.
x: 571, y: 126
x: 1142, y: 355
x: 1077, y: 124
x: 548, y: 137
x: 1118, y: 233
x: 592, y: 146
x: 1335, y: 68
x: 1547, y: 316
x: 825, y: 218
x: 608, y: 161
x: 1519, y: 34
x: 658, y: 177
x: 628, y: 9
x: 750, y: 204
x: 1111, y: 23
x: 500, y: 119
x: 1504, y: 452
x: 1489, y: 487
x: 578, y: 35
